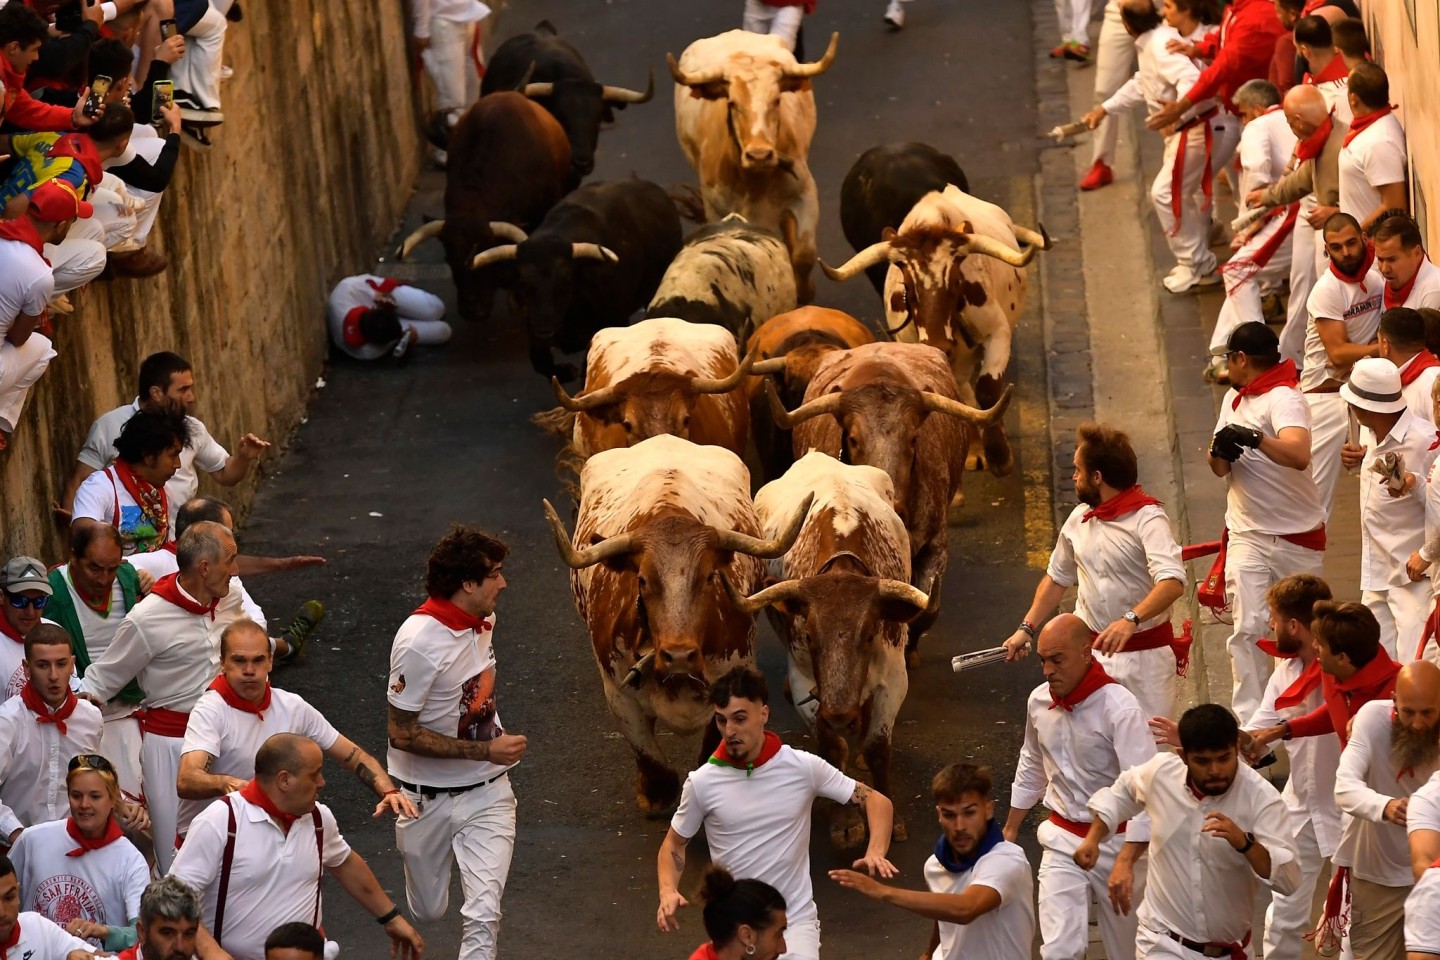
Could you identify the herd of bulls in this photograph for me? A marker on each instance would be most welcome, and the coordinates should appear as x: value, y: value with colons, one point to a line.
x: 864, y: 443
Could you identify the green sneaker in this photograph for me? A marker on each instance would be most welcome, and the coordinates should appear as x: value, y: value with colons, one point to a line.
x: 307, y: 619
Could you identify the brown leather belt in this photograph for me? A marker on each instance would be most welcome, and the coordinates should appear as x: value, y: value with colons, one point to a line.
x: 1331, y: 385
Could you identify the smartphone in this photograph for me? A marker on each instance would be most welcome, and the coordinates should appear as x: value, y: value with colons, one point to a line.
x: 168, y: 29
x: 163, y: 95
x: 99, y: 90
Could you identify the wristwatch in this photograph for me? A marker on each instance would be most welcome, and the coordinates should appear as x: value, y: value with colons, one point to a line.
x: 1132, y: 616
x: 1249, y: 842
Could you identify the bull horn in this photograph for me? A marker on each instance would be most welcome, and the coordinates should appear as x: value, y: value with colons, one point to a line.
x: 1026, y: 235
x: 871, y: 256
x: 727, y: 383
x: 508, y: 231
x: 427, y: 231
x: 593, y: 251
x: 767, y: 367
x: 819, y: 66
x: 691, y: 79
x: 900, y: 590
x: 829, y: 403
x: 533, y: 90
x: 777, y: 593
x: 506, y: 251
x: 588, y: 401
x: 626, y: 95
x: 981, y: 418
x: 991, y: 247
x: 525, y: 80
x: 580, y: 559
x: 766, y: 549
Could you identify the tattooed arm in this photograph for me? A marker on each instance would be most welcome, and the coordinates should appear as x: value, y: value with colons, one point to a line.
x: 196, y: 782
x: 368, y: 771
x: 880, y: 819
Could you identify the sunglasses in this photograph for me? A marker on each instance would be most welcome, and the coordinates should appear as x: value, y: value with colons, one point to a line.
x: 90, y: 761
x: 20, y: 602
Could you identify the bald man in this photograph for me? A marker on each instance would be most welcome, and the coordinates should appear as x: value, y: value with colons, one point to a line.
x: 1082, y: 729
x: 1394, y: 747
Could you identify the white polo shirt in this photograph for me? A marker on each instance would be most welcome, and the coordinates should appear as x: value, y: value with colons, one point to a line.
x: 1426, y: 291
x: 102, y: 886
x: 34, y: 758
x: 1005, y: 933
x: 1423, y: 810
x: 1374, y: 157
x: 1357, y: 305
x: 274, y: 876
x: 757, y: 822
x: 1392, y: 528
x: 26, y: 283
x: 1263, y: 496
x: 41, y: 939
x: 233, y: 737
x: 1365, y: 782
x: 1422, y: 914
x: 168, y: 649
x: 1418, y: 392
x: 1115, y: 563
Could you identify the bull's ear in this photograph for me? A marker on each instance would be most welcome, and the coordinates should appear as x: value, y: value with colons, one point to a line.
x: 716, y: 90
x: 898, y: 611
x: 794, y: 84
x: 888, y: 234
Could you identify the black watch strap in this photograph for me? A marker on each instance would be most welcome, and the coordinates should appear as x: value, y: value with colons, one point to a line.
x: 1249, y: 842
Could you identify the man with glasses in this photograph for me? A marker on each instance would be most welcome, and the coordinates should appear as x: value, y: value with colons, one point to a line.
x: 27, y: 592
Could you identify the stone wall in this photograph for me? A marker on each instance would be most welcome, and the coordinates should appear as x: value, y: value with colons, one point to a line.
x: 308, y: 177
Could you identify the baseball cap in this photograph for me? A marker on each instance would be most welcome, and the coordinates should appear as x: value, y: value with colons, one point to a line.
x: 55, y: 201
x: 1374, y: 385
x: 24, y: 573
x: 1253, y: 339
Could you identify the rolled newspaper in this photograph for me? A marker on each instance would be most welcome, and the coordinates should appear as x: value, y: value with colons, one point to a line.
x: 968, y: 661
x: 1071, y: 129
x: 1248, y: 217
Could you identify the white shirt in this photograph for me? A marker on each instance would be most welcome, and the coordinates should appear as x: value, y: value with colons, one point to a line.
x: 1373, y: 158
x: 1365, y: 782
x: 1432, y: 512
x: 233, y: 737
x: 12, y: 665
x: 348, y: 294
x: 1266, y: 144
x: 34, y: 758
x: 1115, y: 563
x: 1310, y: 789
x: 1423, y: 810
x: 1357, y: 305
x: 457, y: 11
x: 203, y: 453
x: 1263, y: 496
x: 1392, y: 528
x: 102, y: 886
x: 448, y: 678
x: 1418, y: 392
x: 1069, y: 755
x: 1162, y: 76
x: 104, y: 499
x: 26, y: 283
x: 235, y: 605
x: 757, y: 822
x: 1005, y: 933
x: 169, y: 650
x: 1426, y: 291
x: 1422, y: 914
x: 1199, y: 886
x: 42, y: 939
x: 1337, y: 97
x: 273, y: 879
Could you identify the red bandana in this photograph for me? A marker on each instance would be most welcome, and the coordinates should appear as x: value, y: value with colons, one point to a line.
x: 1281, y: 375
x: 111, y: 834
x: 1305, y: 684
x: 168, y: 588
x: 768, y: 749
x: 152, y: 500
x: 706, y: 951
x: 1122, y: 504
x: 1094, y: 679
x: 1359, y: 275
x: 101, y: 606
x: 385, y: 286
x: 8, y: 630
x: 1396, y: 297
x: 1271, y: 649
x: 1358, y: 125
x: 41, y: 709
x: 1418, y: 364
x: 1334, y: 70
x: 252, y: 792
x: 451, y: 615
x: 23, y: 230
x: 1310, y: 147
x: 14, y: 937
x: 353, y: 336
x: 227, y: 693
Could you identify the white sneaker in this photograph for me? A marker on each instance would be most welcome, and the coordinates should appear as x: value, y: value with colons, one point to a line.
x: 226, y: 73
x: 1183, y: 280
x: 895, y: 15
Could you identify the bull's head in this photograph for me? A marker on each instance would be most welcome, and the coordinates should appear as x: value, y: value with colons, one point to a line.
x: 752, y: 89
x: 581, y: 106
x: 465, y: 239
x: 843, y: 615
x: 652, y: 402
x: 542, y: 276
x: 880, y: 425
x: 672, y: 566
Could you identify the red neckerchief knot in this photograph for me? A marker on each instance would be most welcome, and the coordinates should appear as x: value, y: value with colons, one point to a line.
x: 168, y: 588
x: 1283, y: 374
x: 1396, y: 296
x: 1358, y: 278
x: 111, y: 834
x: 252, y: 793
x: 1123, y: 504
x: 1094, y: 679
x: 1310, y: 147
x: 1418, y: 364
x: 771, y: 746
x: 37, y: 705
x: 452, y: 616
x: 227, y: 693
x: 1304, y: 685
x: 385, y: 286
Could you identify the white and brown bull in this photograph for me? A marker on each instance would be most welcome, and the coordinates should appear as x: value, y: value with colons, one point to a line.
x: 895, y: 406
x: 660, y: 376
x: 745, y: 116
x: 661, y: 526
x: 840, y: 606
x: 956, y: 281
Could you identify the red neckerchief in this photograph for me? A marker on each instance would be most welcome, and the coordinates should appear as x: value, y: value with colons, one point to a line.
x: 768, y: 749
x: 1358, y: 125
x: 14, y: 937
x: 102, y: 607
x: 170, y: 546
x: 1396, y: 298
x: 1359, y: 276
x: 1195, y: 791
x: 385, y: 286
x: 5, y: 626
x: 1334, y: 70
x: 1094, y: 679
x: 1270, y: 648
x: 1310, y: 147
x: 227, y: 693
x: 111, y: 834
x: 1283, y: 374
x: 1417, y: 364
x: 22, y: 228
x: 451, y: 615
x: 151, y: 499
x: 80, y: 148
x: 1305, y: 684
x: 1122, y: 504
x: 351, y: 327
x: 41, y: 709
x: 252, y: 792
x: 168, y: 588
x: 706, y: 951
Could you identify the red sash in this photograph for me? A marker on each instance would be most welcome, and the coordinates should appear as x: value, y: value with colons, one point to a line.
x: 162, y: 722
x: 1177, y: 171
x: 1079, y: 828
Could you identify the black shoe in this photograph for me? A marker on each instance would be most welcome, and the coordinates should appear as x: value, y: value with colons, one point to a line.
x: 195, y: 138
x: 437, y: 131
x: 235, y: 14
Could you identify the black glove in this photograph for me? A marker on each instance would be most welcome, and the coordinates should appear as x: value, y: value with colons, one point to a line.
x: 1225, y: 449
x: 1240, y: 435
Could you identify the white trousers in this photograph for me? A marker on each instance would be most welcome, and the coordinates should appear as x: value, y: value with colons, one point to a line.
x: 1287, y: 919
x: 421, y: 311
x: 451, y: 66
x: 1074, y: 17
x: 782, y: 22
x: 159, y: 769
x: 79, y: 258
x: 475, y: 829
x: 1189, y: 240
x: 1156, y: 943
x: 145, y: 216
x: 113, y: 214
x: 1224, y: 141
x: 20, y: 368
x: 1244, y: 281
x: 1302, y: 279
x: 1401, y: 612
x: 1064, y: 898
x: 1149, y: 674
x: 198, y: 72
x: 1254, y: 561
x: 1329, y: 426
x: 1114, y: 64
x: 802, y: 941
x: 120, y: 744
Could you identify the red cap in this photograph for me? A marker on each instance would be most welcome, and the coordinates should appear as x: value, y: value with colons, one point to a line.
x: 55, y: 201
